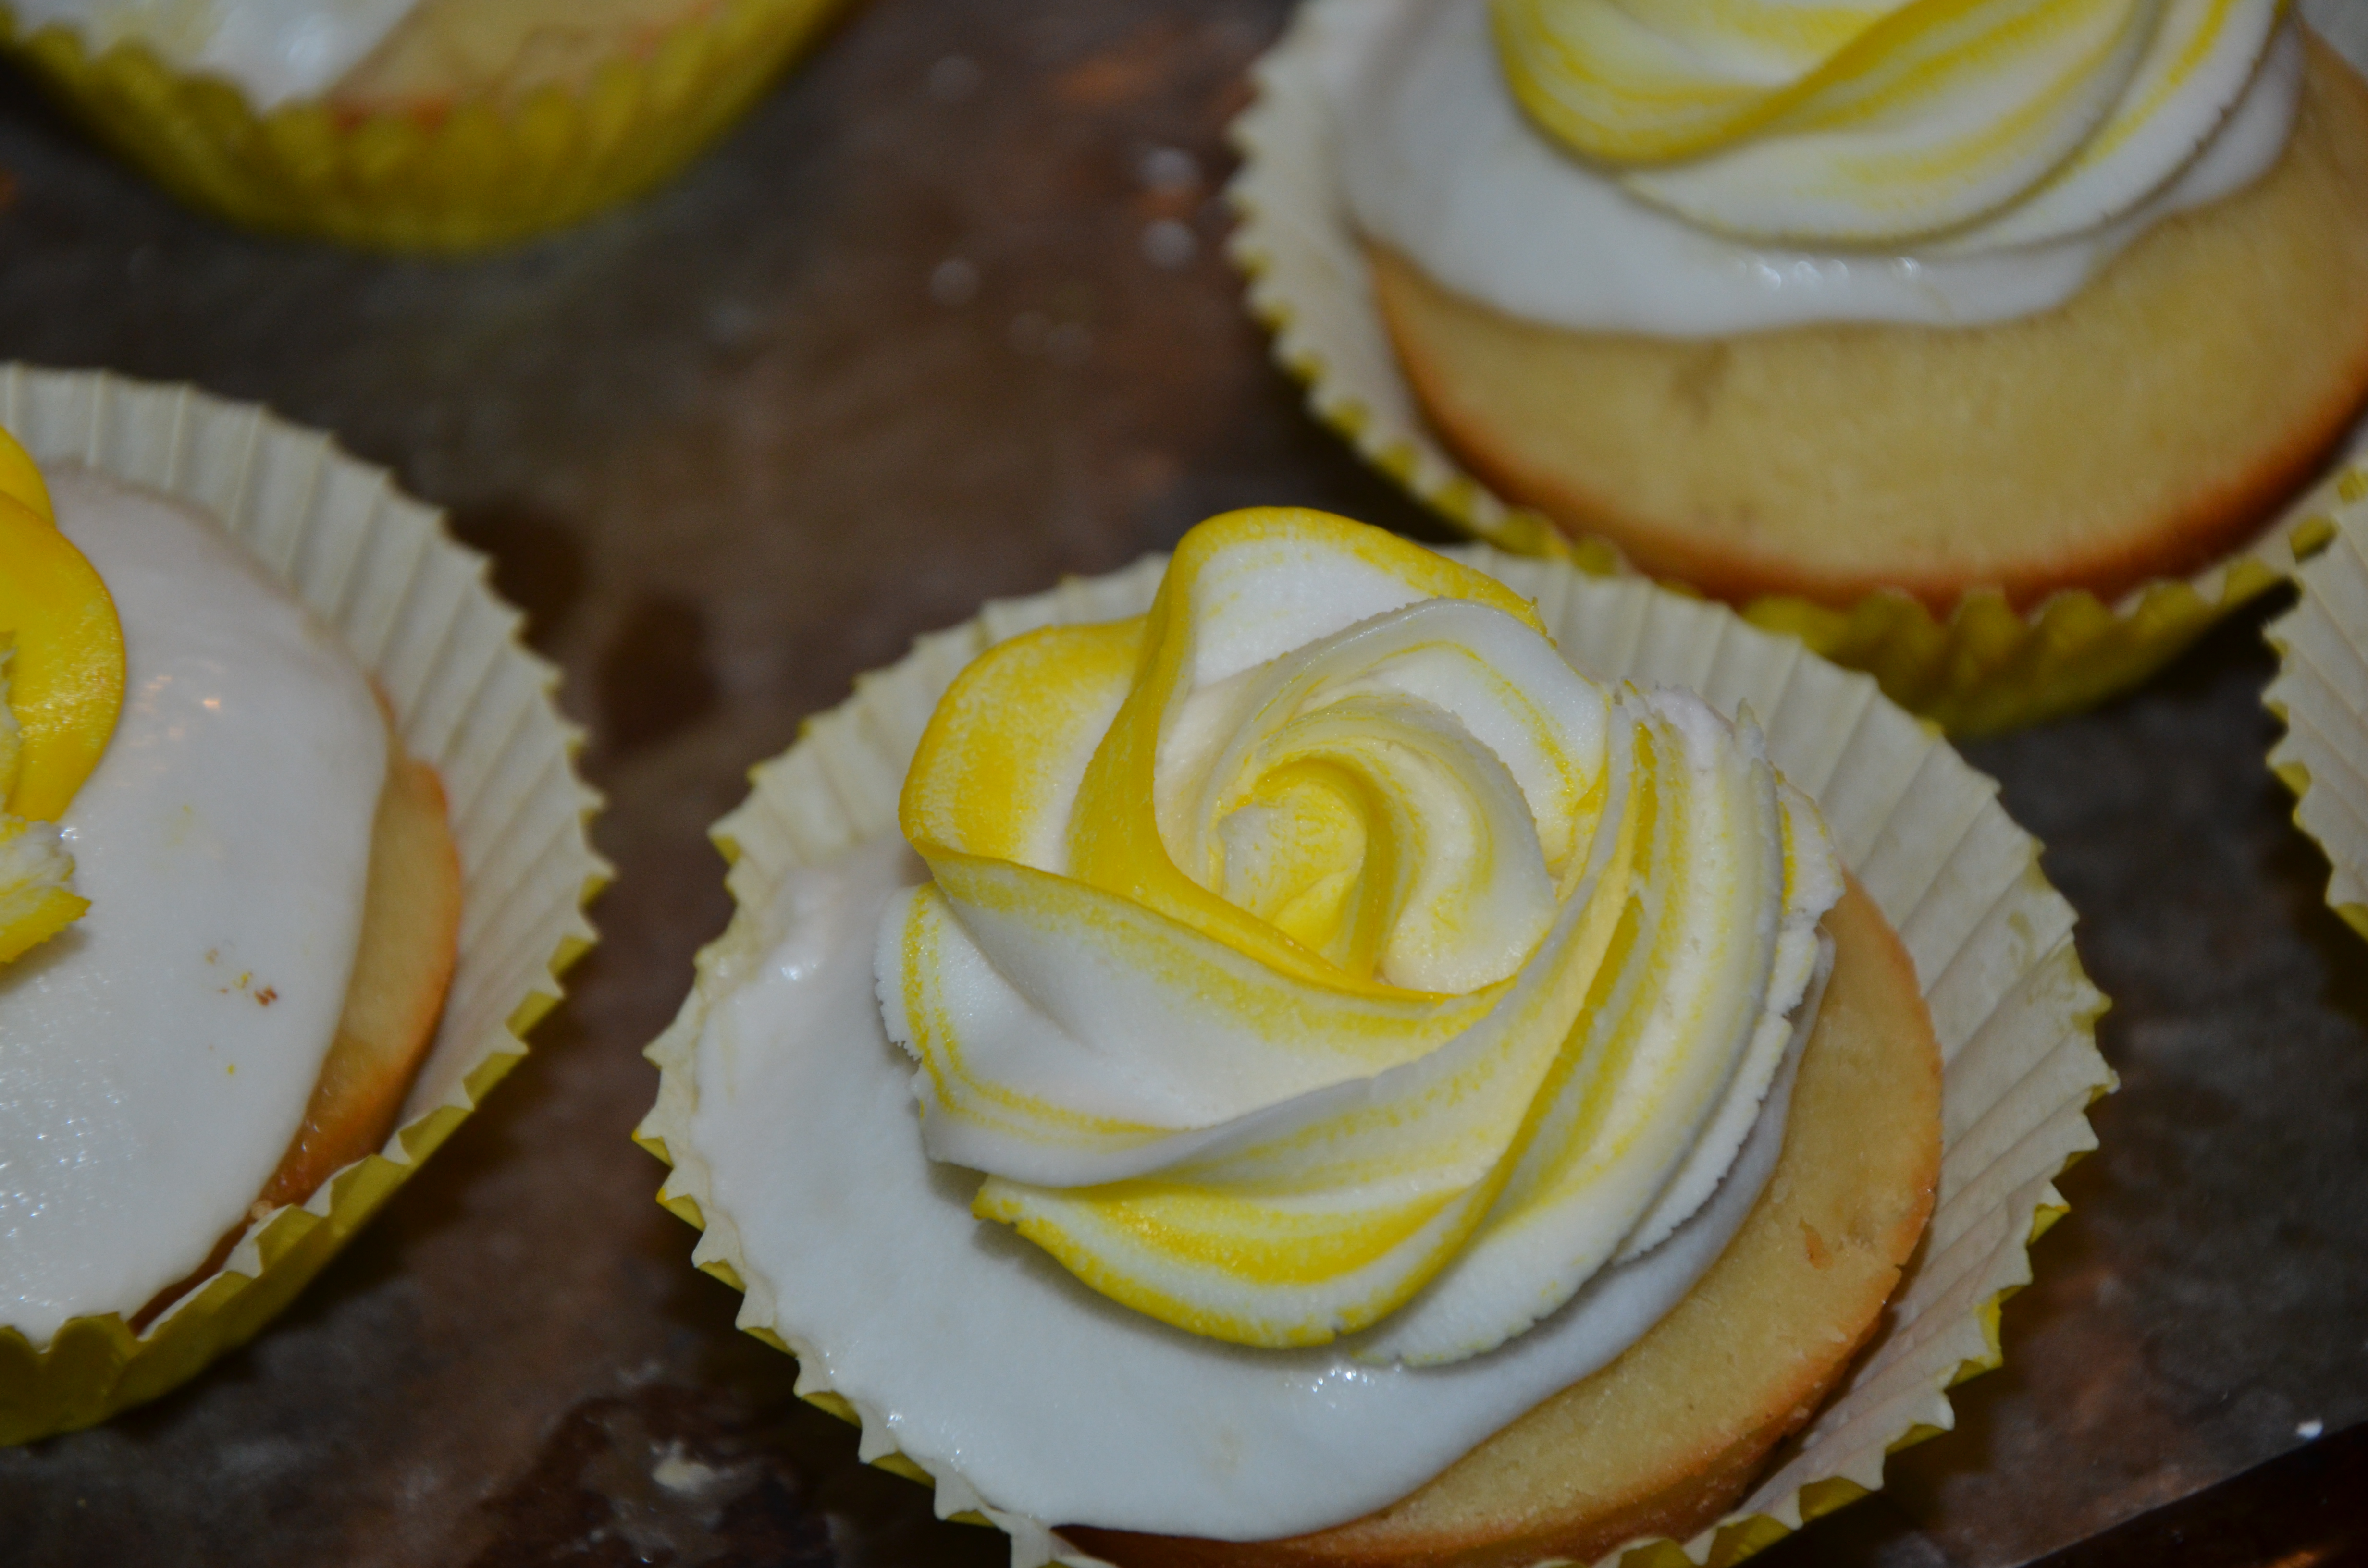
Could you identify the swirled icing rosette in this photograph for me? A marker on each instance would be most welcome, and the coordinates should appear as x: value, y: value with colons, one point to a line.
x: 2011, y: 121
x: 1323, y: 936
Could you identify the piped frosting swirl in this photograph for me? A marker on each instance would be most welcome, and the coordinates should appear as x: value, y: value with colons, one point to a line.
x: 1877, y: 121
x: 1321, y: 948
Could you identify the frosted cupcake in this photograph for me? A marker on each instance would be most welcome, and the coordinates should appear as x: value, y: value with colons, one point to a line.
x: 1930, y: 336
x: 1411, y: 1070
x: 410, y: 124
x: 232, y: 888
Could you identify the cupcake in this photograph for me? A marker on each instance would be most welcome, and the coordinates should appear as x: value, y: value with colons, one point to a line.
x: 246, y: 875
x: 442, y: 125
x: 1311, y: 1072
x: 1931, y: 365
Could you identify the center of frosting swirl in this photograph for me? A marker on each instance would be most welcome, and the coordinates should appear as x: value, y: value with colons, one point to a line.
x: 1874, y: 121
x: 1321, y: 947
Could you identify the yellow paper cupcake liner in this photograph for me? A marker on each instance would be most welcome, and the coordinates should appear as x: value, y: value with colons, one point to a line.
x: 414, y: 608
x: 2321, y: 692
x: 1991, y: 940
x: 1985, y: 668
x: 483, y: 175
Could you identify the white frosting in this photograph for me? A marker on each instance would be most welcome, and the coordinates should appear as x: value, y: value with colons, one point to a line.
x: 1440, y: 163
x: 156, y: 1058
x: 278, y: 51
x: 1002, y: 1375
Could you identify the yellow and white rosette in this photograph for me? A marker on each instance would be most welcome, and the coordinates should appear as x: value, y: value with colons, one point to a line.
x: 2321, y: 693
x: 479, y: 175
x: 1922, y: 831
x: 1323, y: 927
x: 414, y: 608
x: 1986, y: 665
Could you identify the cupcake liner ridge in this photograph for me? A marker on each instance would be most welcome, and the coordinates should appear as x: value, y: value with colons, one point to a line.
x: 2321, y: 696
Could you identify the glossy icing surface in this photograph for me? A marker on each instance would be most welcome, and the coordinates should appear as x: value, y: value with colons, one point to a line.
x: 1441, y: 163
x: 994, y: 1368
x: 156, y: 1058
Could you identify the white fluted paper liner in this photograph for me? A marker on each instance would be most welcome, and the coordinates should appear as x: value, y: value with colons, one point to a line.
x: 2321, y: 692
x: 1991, y: 940
x: 415, y: 610
x: 1985, y: 668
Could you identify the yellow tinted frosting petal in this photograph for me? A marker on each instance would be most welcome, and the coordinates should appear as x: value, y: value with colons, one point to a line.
x: 67, y: 674
x: 998, y: 766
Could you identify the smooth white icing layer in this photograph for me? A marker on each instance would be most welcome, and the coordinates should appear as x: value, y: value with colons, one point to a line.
x: 997, y: 1371
x: 278, y: 51
x: 1439, y: 163
x: 156, y: 1058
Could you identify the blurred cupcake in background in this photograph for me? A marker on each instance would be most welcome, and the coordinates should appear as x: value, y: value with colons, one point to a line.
x: 436, y: 125
x: 1997, y: 350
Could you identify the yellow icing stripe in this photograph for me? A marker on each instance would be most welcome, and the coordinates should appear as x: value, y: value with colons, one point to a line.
x: 67, y: 678
x: 1797, y: 35
x: 2198, y: 45
x: 1587, y: 71
x: 1260, y: 1245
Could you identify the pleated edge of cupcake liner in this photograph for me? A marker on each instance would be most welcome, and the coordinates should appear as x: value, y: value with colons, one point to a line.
x: 2323, y: 755
x: 287, y: 493
x: 836, y: 787
x: 405, y: 152
x: 1294, y: 247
